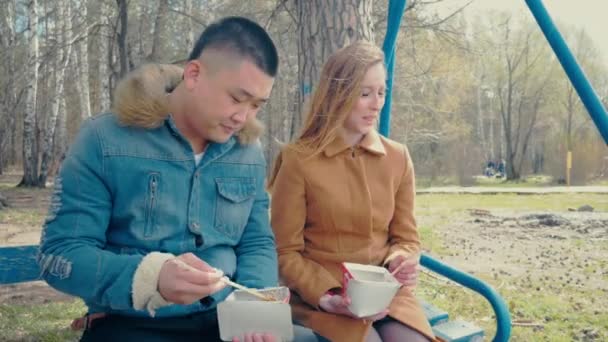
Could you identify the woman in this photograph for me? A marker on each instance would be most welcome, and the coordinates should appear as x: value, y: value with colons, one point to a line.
x: 342, y: 193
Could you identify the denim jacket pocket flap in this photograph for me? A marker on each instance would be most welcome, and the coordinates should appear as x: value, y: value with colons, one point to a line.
x: 236, y: 190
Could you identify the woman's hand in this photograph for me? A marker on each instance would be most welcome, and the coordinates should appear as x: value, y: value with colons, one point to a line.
x: 337, y: 304
x: 407, y: 269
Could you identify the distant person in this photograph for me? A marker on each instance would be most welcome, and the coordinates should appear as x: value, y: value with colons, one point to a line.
x: 489, y: 170
x: 500, y: 170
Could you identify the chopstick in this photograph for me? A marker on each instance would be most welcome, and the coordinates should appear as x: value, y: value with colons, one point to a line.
x: 225, y: 279
x: 397, y: 269
x: 248, y: 290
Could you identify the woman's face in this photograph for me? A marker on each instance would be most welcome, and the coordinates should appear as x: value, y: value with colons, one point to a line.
x: 364, y: 115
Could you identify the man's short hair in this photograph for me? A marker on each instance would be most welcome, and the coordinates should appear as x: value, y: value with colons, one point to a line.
x: 241, y: 36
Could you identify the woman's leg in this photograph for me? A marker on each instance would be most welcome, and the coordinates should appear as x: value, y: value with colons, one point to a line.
x: 394, y: 331
x: 372, y: 335
x: 304, y: 334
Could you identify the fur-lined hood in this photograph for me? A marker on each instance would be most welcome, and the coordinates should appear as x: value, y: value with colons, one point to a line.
x: 140, y: 99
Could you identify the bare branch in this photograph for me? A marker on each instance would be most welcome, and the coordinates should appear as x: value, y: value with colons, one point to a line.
x: 275, y: 11
x: 188, y: 15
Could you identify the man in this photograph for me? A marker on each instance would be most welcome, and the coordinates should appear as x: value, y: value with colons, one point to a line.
x: 158, y: 200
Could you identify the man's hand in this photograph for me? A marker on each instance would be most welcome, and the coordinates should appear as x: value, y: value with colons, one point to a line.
x: 186, y: 279
x: 256, y: 338
x: 407, y: 269
x: 339, y: 305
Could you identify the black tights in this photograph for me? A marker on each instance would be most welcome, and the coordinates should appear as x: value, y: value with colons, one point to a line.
x: 389, y: 330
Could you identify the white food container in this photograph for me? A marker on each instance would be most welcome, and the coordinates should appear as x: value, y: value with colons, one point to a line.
x: 244, y: 313
x: 370, y: 288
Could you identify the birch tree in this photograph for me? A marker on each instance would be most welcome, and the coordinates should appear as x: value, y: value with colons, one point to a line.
x: 104, y: 57
x: 8, y: 97
x: 82, y: 58
x: 63, y: 22
x: 30, y: 150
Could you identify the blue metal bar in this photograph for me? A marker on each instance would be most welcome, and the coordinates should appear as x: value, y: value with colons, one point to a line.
x: 573, y: 70
x: 18, y: 264
x: 395, y: 13
x: 503, y: 318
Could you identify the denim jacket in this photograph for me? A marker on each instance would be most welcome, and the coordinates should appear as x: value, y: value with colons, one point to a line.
x: 125, y: 191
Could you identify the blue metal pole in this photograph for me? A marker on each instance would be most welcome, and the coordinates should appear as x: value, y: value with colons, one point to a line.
x: 503, y: 318
x: 395, y: 13
x: 573, y: 70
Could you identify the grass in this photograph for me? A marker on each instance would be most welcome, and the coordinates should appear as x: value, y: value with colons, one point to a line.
x: 599, y: 182
x: 21, y: 217
x: 431, y: 240
x: 525, y: 181
x: 565, y: 313
x: 479, y: 180
x: 46, y: 322
x: 427, y: 182
x: 448, y: 204
x: 560, y: 317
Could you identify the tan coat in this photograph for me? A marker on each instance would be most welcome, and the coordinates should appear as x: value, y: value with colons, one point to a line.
x: 344, y: 204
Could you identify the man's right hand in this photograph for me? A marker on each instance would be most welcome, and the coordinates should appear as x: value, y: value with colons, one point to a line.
x: 186, y: 279
x: 337, y: 304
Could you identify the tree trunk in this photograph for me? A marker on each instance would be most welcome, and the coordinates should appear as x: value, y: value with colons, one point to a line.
x: 82, y: 58
x: 481, y: 134
x: 8, y: 97
x: 3, y: 201
x: 30, y: 153
x: 190, y: 33
x: 63, y: 59
x: 492, y: 125
x: 104, y: 58
x: 480, y: 131
x: 122, y: 36
x: 60, y: 137
x: 160, y: 25
x: 324, y: 26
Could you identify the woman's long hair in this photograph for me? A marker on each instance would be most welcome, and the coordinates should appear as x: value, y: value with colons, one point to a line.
x: 338, y: 91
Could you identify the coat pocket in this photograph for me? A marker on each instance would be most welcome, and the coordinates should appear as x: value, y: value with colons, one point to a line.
x: 151, y: 203
x: 233, y: 204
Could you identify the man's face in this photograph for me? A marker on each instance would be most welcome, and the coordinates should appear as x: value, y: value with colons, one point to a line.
x: 222, y: 100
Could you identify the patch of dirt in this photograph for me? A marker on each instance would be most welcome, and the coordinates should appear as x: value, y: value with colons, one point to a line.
x: 31, y: 293
x: 16, y: 235
x: 35, y: 199
x: 547, y: 248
